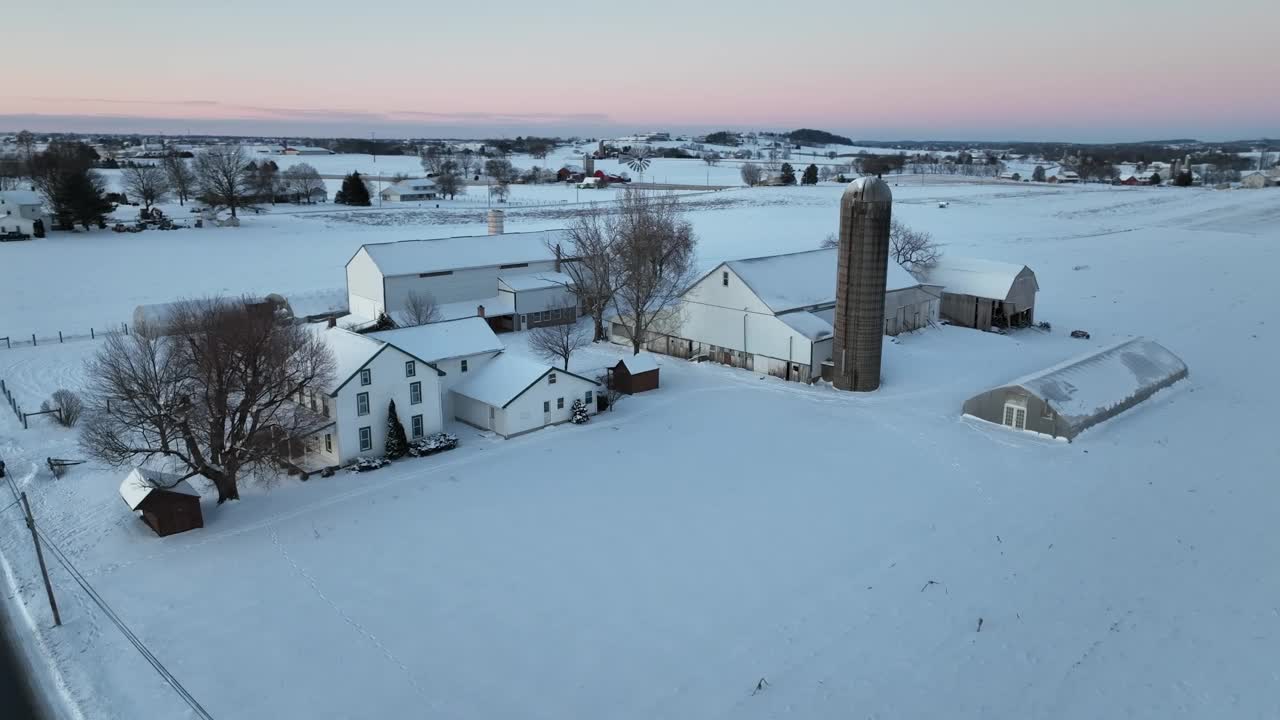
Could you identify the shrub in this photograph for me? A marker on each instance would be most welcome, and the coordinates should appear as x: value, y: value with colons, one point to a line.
x: 68, y: 405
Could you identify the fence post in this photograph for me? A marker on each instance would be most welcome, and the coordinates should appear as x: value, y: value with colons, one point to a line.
x: 91, y: 335
x: 59, y: 336
x: 33, y: 339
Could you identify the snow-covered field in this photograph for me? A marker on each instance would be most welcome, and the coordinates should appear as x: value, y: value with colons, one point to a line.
x: 663, y: 559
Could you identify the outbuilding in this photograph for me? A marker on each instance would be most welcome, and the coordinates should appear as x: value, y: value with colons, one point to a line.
x: 513, y: 395
x: 635, y: 374
x: 1066, y: 399
x: 985, y: 293
x: 167, y: 502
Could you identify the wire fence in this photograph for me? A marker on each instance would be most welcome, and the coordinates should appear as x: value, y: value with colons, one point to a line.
x: 36, y: 339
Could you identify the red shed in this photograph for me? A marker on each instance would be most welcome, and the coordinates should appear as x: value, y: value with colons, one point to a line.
x: 168, y: 503
x: 635, y: 374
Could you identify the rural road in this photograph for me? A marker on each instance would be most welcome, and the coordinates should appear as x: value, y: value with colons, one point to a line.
x: 15, y: 694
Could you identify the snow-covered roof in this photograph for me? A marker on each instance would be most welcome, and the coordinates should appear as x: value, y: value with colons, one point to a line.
x: 803, y: 279
x: 141, y: 482
x: 1092, y: 385
x: 640, y: 363
x: 444, y: 340
x: 20, y: 197
x: 808, y: 324
x: 411, y: 185
x: 505, y: 378
x: 318, y: 303
x: 351, y: 351
x: 410, y: 257
x: 972, y: 276
x: 500, y: 304
x: 535, y: 281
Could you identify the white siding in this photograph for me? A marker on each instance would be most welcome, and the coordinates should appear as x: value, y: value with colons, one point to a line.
x: 525, y: 412
x: 471, y: 411
x: 529, y: 301
x: 364, y: 286
x: 755, y: 333
x: 711, y: 290
x: 454, y: 375
x: 388, y: 382
x: 472, y: 284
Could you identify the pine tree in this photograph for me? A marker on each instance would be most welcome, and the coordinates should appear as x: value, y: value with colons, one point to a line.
x: 810, y: 176
x: 788, y: 174
x: 353, y: 192
x: 79, y: 200
x: 397, y: 441
x: 579, y: 413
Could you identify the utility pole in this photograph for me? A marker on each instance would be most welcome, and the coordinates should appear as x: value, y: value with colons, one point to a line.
x: 44, y: 571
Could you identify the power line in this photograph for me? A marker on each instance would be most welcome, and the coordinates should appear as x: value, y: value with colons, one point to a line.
x: 137, y: 643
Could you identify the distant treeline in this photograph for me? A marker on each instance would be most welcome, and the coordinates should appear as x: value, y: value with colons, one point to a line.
x: 808, y: 136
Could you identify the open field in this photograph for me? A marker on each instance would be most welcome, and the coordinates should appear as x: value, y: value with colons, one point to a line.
x: 663, y: 559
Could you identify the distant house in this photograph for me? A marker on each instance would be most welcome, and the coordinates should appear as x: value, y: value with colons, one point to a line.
x: 1062, y: 176
x: 1253, y: 181
x: 22, y: 213
x: 415, y: 190
x: 634, y: 374
x: 775, y: 314
x: 982, y: 293
x: 1066, y: 399
x: 513, y: 395
x: 167, y: 502
x: 306, y: 150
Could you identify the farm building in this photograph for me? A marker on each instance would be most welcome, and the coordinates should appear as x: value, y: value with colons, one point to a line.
x: 414, y: 190
x: 984, y: 293
x: 458, y: 348
x: 1068, y: 398
x: 513, y: 280
x: 513, y: 395
x: 774, y: 314
x: 168, y: 504
x: 634, y: 374
x: 1252, y: 181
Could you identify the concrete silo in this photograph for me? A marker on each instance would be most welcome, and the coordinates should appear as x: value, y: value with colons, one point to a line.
x: 865, y: 211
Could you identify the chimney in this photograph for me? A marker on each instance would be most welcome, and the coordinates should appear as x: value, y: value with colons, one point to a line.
x: 495, y: 222
x: 333, y: 322
x: 479, y: 311
x: 865, y: 211
x: 557, y: 257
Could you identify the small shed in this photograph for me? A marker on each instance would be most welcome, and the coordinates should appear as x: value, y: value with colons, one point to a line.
x: 635, y: 374
x: 1066, y: 399
x: 513, y: 395
x: 168, y: 503
x: 985, y: 293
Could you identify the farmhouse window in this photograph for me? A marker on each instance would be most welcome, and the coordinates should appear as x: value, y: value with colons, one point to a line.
x: 362, y: 404
x: 366, y: 438
x: 415, y: 393
x: 366, y: 377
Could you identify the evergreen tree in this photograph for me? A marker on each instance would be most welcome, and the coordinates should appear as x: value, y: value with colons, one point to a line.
x: 579, y: 413
x: 1183, y: 179
x: 788, y: 174
x: 810, y: 176
x: 397, y: 441
x: 78, y: 199
x: 353, y: 192
x: 1038, y: 174
x: 1156, y: 179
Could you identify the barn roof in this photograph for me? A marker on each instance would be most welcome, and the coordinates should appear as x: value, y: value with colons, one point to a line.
x: 803, y: 279
x: 535, y: 281
x: 318, y: 303
x: 810, y: 325
x: 411, y: 257
x: 351, y: 351
x: 972, y: 276
x: 505, y: 378
x: 141, y: 482
x: 444, y: 340
x: 640, y: 363
x: 1085, y: 389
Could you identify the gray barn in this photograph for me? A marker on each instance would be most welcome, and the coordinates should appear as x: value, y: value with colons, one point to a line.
x: 1068, y: 398
x: 982, y: 293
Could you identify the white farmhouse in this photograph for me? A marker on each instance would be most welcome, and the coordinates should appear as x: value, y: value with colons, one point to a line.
x: 774, y: 314
x: 414, y: 190
x: 22, y: 213
x: 457, y: 348
x: 513, y: 280
x: 369, y: 374
x: 513, y: 395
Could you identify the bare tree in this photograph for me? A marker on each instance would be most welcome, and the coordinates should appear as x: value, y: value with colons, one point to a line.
x: 591, y: 265
x: 450, y: 184
x: 914, y: 250
x: 751, y: 173
x: 302, y: 181
x: 711, y: 158
x: 830, y: 241
x: 419, y: 309
x: 12, y: 171
x: 67, y: 405
x: 499, y: 192
x: 500, y: 169
x: 654, y: 251
x: 182, y: 179
x: 435, y: 157
x: 218, y: 398
x: 222, y: 174
x: 147, y: 183
x: 558, y: 342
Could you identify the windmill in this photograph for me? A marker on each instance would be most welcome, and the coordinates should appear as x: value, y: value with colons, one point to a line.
x: 639, y: 161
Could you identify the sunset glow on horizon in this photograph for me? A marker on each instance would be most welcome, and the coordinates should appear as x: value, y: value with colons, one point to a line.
x: 1090, y: 71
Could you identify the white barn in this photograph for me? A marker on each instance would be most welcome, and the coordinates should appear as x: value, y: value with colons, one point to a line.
x: 510, y: 279
x: 513, y: 395
x: 413, y: 190
x: 774, y: 314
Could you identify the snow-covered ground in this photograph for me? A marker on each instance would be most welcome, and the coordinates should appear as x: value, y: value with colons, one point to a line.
x: 663, y: 559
